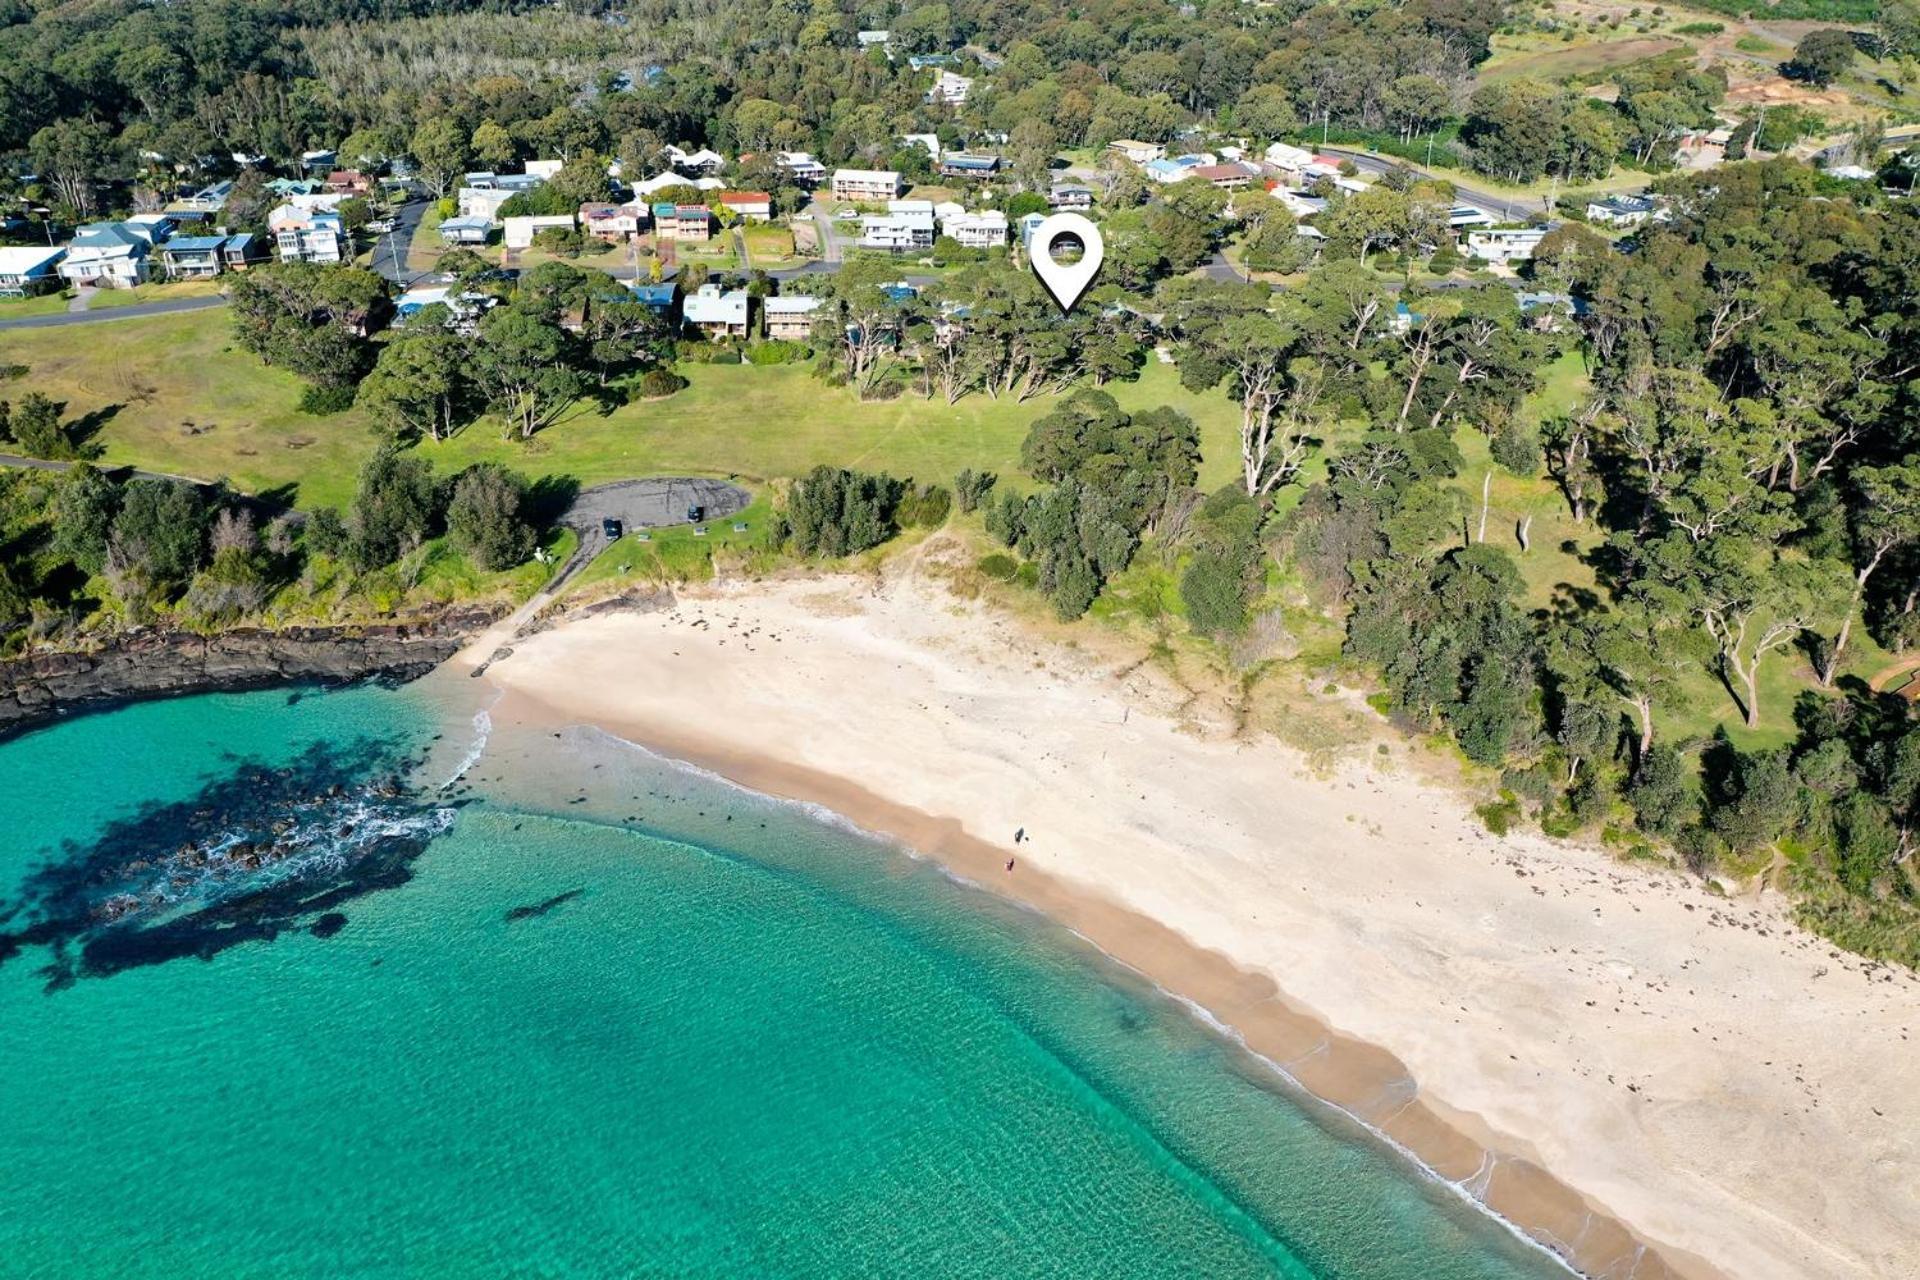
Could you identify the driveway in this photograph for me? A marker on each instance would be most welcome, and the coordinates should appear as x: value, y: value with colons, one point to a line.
x: 641, y: 504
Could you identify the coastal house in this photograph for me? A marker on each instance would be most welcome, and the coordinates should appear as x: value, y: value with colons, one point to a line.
x: 211, y: 198
x: 1463, y: 216
x: 106, y: 255
x: 464, y: 307
x: 1621, y: 211
x: 1288, y: 159
x: 349, y: 182
x: 718, y: 313
x: 962, y: 164
x: 950, y: 89
x: 1028, y: 224
x: 544, y: 170
x: 659, y: 298
x: 1137, y: 152
x: 1298, y: 205
x: 927, y: 142
x: 1228, y: 177
x: 1070, y: 197
x: 193, y: 257
x: 682, y: 221
x: 1165, y: 171
x: 243, y: 250
x: 983, y: 230
x: 486, y: 180
x: 700, y: 163
x: 907, y: 224
x: 153, y: 227
x: 1505, y: 246
x: 25, y: 272
x: 868, y: 185
x: 317, y: 161
x: 666, y: 181
x: 466, y: 229
x: 872, y: 39
x: 518, y: 233
x: 307, y: 235
x: 789, y: 318
x: 613, y: 222
x: 802, y: 168
x: 749, y: 206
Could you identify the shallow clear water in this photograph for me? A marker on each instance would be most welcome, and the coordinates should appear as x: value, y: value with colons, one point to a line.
x: 597, y: 1016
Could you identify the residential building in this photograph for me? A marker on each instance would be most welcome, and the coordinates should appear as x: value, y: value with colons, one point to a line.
x: 1287, y: 158
x: 921, y: 61
x: 152, y: 227
x: 804, y: 169
x: 1505, y: 246
x: 1070, y: 196
x: 984, y: 230
x: 927, y: 142
x: 1228, y: 177
x: 753, y: 206
x: 1463, y: 216
x: 1549, y: 312
x: 718, y: 313
x: 790, y: 318
x: 316, y: 202
x: 661, y: 182
x: 1164, y: 170
x: 542, y: 169
x: 907, y: 224
x: 1029, y: 224
x: 486, y: 180
x: 464, y: 308
x: 209, y: 199
x: 317, y: 161
x: 519, y: 232
x: 467, y: 229
x: 1298, y: 205
x: 950, y: 89
x: 107, y: 255
x: 960, y: 164
x: 872, y: 39
x: 243, y: 250
x: 682, y: 222
x: 287, y: 188
x: 193, y: 257
x: 613, y: 222
x: 308, y: 235
x: 659, y: 297
x: 1137, y: 152
x: 1622, y: 211
x: 870, y: 185
x: 24, y: 272
x: 349, y: 182
x: 482, y: 202
x: 700, y: 163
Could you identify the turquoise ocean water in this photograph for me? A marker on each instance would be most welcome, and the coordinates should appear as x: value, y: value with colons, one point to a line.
x: 273, y: 1003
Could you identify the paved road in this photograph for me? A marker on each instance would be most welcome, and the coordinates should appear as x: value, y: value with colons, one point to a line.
x: 1504, y: 207
x: 134, y: 312
x: 390, y: 250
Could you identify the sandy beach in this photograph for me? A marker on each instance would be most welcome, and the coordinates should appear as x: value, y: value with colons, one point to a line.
x: 1649, y: 1077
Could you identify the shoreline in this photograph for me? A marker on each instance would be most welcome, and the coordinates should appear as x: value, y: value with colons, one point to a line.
x: 1359, y: 1080
x: 1608, y: 1058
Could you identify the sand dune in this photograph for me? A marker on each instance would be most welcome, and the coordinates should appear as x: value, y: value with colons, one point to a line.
x: 1652, y: 1078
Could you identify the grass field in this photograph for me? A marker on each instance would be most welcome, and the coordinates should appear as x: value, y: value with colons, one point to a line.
x: 45, y: 304
x: 177, y: 395
x: 162, y: 291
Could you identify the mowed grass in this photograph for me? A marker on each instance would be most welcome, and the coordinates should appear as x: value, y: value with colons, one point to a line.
x: 1581, y: 62
x: 179, y: 396
x: 41, y: 304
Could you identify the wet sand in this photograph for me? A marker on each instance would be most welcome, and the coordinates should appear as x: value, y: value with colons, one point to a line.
x: 1647, y: 1078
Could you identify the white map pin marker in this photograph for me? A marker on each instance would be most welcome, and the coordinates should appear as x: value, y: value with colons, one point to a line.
x: 1067, y: 282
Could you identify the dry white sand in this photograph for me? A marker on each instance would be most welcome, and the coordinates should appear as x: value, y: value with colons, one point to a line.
x: 1734, y: 1091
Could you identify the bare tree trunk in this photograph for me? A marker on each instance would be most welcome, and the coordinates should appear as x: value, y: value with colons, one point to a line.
x: 1486, y: 494
x: 1525, y: 527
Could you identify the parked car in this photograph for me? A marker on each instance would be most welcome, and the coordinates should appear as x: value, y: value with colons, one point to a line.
x: 612, y: 528
x: 696, y: 513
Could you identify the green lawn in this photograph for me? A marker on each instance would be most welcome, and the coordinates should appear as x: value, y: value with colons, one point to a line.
x: 160, y: 291
x: 183, y: 398
x: 45, y: 304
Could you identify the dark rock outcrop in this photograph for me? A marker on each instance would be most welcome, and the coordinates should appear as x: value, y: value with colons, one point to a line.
x: 160, y: 664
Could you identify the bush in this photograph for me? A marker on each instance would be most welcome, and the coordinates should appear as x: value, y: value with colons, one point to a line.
x: 486, y: 518
x: 658, y: 384
x: 777, y: 351
x: 1213, y: 589
x: 971, y: 487
x: 999, y: 566
x: 320, y: 400
x: 1699, y: 29
x: 836, y: 512
x: 926, y: 507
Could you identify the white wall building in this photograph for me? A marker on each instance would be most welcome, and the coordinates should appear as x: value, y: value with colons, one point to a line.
x: 984, y: 230
x: 1505, y: 246
x: 519, y: 232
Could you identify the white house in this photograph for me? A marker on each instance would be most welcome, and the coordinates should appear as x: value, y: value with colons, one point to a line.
x: 872, y: 39
x: 1137, y: 152
x: 1622, y: 211
x: 307, y: 235
x: 1288, y: 158
x: 466, y: 230
x: 749, y: 206
x: 870, y: 185
x: 806, y: 171
x: 1505, y: 246
x: 1463, y: 216
x: 483, y: 202
x: 950, y: 89
x: 701, y: 162
x: 790, y: 317
x: 109, y: 255
x: 654, y: 185
x: 28, y: 271
x: 983, y: 230
x: 929, y: 142
x: 716, y: 312
x: 543, y: 169
x: 907, y: 224
x: 520, y: 232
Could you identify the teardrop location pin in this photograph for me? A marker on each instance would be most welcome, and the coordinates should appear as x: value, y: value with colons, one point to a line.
x: 1066, y: 282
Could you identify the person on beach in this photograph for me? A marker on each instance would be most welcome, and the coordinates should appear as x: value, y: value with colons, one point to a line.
x: 1020, y: 835
x: 1009, y: 866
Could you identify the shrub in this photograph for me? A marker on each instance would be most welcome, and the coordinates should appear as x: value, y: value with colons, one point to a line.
x: 777, y: 351
x: 486, y: 518
x: 1213, y: 589
x: 999, y: 566
x: 1699, y: 29
x: 926, y: 507
x: 971, y: 487
x: 836, y: 512
x: 658, y: 384
x: 321, y: 400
